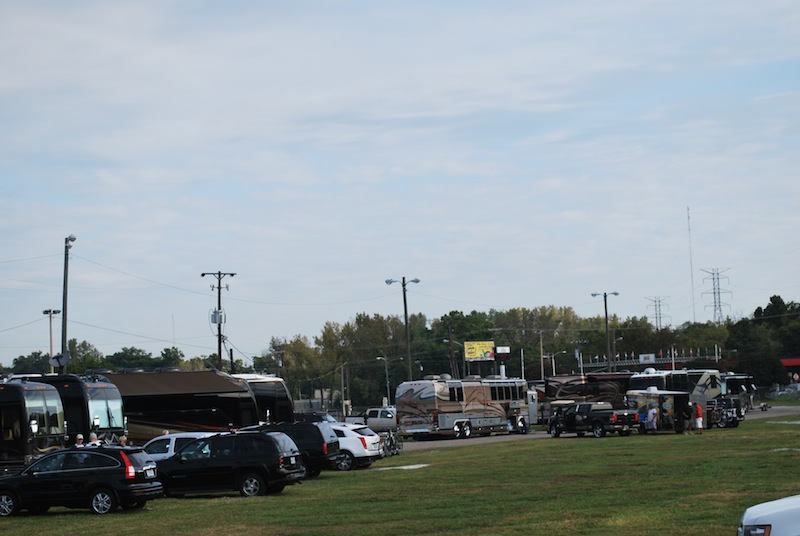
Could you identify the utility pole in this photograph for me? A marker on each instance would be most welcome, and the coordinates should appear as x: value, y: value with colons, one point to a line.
x: 67, y: 246
x: 218, y: 317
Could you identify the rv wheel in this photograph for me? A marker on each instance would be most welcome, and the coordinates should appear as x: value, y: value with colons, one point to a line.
x: 467, y: 430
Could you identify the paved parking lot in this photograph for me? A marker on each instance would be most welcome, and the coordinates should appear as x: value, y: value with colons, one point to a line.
x: 775, y: 412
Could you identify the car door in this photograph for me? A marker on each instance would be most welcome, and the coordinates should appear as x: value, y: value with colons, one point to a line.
x: 193, y: 467
x: 54, y: 479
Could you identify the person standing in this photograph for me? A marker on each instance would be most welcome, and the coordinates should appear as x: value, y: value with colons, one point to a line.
x: 79, y: 440
x: 652, y: 418
x: 698, y: 420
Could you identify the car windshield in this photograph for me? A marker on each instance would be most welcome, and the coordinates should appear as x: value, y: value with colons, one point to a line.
x: 285, y: 443
x: 327, y: 431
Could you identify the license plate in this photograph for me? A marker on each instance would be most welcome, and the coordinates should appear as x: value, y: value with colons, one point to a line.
x: 150, y: 473
x: 292, y: 460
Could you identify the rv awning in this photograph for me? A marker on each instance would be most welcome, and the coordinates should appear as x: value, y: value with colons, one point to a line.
x: 164, y: 383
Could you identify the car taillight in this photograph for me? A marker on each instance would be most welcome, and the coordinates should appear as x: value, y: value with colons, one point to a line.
x: 130, y: 470
x: 613, y: 419
x: 281, y: 460
x: 325, y: 449
x: 363, y: 441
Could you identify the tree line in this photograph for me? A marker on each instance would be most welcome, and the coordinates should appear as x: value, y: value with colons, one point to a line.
x: 343, y: 359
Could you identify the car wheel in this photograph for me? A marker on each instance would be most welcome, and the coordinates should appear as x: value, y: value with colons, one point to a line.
x: 313, y: 472
x: 102, y: 501
x: 8, y: 504
x: 554, y: 431
x: 598, y: 430
x: 346, y: 462
x: 251, y: 485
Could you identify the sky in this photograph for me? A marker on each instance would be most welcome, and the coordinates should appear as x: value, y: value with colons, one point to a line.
x: 512, y: 154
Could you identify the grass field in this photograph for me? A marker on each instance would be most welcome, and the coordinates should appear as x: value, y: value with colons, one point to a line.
x: 665, y: 484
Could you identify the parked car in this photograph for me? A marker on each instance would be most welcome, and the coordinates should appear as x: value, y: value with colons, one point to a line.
x: 163, y: 447
x: 378, y: 419
x: 99, y: 478
x: 314, y: 417
x: 359, y: 445
x: 317, y: 442
x: 773, y: 518
x: 252, y: 463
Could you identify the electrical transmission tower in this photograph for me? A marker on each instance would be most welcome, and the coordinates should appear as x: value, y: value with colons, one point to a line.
x: 717, y: 292
x: 657, y: 310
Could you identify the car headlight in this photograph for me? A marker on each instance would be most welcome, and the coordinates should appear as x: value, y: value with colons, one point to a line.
x: 754, y: 530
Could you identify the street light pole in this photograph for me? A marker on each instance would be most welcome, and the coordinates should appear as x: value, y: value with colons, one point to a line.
x: 50, y: 313
x: 67, y: 245
x: 386, y: 368
x: 608, y: 341
x: 553, y: 359
x: 405, y: 311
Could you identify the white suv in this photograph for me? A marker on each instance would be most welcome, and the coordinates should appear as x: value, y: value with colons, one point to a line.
x: 359, y: 445
x: 773, y: 518
x: 164, y: 446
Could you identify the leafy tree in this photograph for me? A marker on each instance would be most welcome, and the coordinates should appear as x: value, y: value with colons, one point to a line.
x: 84, y: 356
x: 171, y: 357
x: 132, y: 358
x: 34, y: 363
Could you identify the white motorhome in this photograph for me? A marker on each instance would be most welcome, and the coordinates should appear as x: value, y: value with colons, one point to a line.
x: 442, y: 406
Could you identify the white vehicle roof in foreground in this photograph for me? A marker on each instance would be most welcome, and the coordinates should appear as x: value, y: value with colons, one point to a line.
x: 348, y: 425
x: 782, y: 514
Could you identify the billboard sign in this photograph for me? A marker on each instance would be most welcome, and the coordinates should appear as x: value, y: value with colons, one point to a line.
x: 479, y: 351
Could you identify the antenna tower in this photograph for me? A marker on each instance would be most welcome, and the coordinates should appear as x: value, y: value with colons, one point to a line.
x: 691, y: 266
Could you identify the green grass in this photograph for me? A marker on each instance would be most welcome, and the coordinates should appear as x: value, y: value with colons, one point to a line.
x: 666, y: 484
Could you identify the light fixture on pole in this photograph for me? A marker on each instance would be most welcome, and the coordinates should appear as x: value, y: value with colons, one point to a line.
x: 608, y: 341
x: 67, y: 245
x: 405, y: 311
x: 50, y: 313
x: 553, y: 359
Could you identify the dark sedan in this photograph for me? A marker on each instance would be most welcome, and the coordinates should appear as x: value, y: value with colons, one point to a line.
x: 99, y: 478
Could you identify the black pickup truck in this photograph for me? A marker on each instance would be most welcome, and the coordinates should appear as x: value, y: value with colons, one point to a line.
x: 597, y: 418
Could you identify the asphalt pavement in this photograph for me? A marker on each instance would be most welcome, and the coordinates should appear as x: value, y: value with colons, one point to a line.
x: 412, y: 446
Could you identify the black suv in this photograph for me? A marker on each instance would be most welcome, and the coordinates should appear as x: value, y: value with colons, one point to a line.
x: 316, y: 440
x: 99, y: 478
x: 252, y: 463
